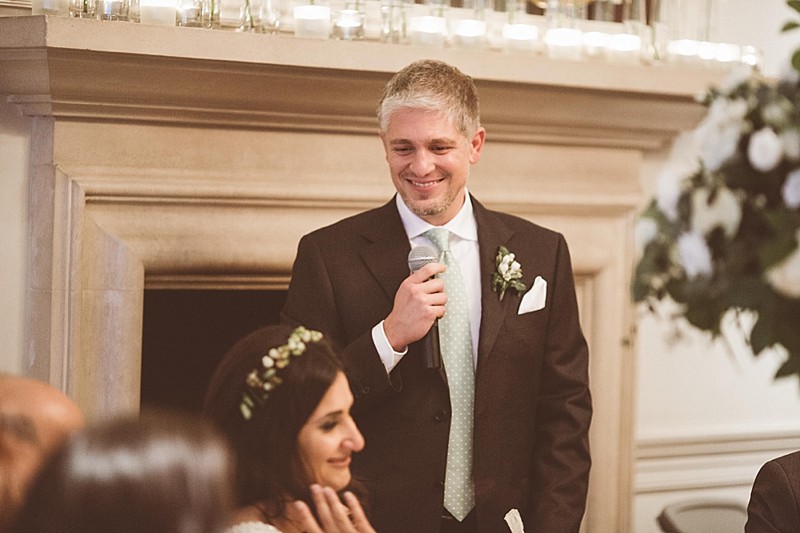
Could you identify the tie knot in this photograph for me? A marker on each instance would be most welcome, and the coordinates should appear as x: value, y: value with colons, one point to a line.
x: 440, y: 238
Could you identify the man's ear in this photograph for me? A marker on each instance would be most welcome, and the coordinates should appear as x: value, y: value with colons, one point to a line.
x: 476, y: 145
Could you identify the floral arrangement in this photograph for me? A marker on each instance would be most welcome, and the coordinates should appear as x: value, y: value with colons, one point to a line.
x: 722, y: 232
x: 507, y: 274
x: 263, y: 380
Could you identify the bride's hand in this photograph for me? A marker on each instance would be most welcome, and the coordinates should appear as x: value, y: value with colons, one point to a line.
x: 334, y: 517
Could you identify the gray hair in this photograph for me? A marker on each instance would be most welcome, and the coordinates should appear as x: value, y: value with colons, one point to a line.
x: 433, y: 86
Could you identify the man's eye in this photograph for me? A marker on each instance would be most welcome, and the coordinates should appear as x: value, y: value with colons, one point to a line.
x: 404, y: 150
x: 439, y: 149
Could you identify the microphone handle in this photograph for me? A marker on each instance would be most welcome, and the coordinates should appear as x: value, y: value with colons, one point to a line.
x: 433, y: 353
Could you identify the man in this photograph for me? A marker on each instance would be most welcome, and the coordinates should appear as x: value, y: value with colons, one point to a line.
x: 523, y: 442
x: 34, y: 418
x: 774, y: 505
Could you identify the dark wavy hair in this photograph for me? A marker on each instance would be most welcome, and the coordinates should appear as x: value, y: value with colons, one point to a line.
x: 268, y: 467
x: 161, y: 472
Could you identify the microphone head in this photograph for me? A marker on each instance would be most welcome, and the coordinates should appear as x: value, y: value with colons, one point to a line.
x: 422, y: 255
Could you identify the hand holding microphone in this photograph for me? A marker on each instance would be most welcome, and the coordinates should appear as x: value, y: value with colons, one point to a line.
x: 419, y: 300
x: 418, y: 258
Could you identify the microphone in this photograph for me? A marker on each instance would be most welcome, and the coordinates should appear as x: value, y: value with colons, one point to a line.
x: 418, y: 258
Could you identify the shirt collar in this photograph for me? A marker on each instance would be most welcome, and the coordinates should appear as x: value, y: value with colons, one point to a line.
x: 462, y: 225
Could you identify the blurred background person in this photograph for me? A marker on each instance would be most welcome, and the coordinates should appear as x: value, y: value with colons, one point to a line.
x: 156, y: 473
x: 34, y: 418
x: 281, y: 397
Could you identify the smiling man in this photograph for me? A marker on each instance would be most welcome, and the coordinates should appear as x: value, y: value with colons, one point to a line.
x: 502, y: 423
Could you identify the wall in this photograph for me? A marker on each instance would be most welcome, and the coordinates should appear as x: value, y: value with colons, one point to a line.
x: 15, y: 131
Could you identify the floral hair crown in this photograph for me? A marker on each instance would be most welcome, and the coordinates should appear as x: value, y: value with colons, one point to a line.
x: 264, y: 379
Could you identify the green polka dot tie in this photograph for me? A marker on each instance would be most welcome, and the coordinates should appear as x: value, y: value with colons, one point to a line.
x: 456, y: 345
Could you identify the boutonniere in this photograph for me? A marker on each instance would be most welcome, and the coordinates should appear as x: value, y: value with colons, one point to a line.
x: 508, y: 273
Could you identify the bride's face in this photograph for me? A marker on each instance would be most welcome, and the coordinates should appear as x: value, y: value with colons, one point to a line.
x: 329, y: 436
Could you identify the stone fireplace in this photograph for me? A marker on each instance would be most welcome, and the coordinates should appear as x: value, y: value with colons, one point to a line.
x: 177, y: 158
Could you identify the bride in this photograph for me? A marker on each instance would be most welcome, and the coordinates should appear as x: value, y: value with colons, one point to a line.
x: 281, y: 398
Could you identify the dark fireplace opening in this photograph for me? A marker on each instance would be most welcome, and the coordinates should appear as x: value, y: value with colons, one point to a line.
x: 185, y: 334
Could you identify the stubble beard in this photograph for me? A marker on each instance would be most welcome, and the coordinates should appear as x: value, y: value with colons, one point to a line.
x: 436, y: 209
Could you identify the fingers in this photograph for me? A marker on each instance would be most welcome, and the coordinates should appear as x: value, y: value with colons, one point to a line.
x: 427, y: 272
x: 419, y: 301
x: 333, y: 516
x: 305, y: 518
x: 357, y: 515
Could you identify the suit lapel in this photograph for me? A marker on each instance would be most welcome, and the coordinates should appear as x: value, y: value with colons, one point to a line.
x: 386, y: 254
x: 492, y: 233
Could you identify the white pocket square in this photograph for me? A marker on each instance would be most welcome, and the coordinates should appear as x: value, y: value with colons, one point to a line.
x: 534, y: 299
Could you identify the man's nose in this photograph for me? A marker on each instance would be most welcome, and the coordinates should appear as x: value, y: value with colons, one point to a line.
x: 422, y: 163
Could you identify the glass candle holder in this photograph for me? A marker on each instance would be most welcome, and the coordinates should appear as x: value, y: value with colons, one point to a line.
x: 348, y: 25
x: 427, y: 30
x: 312, y: 21
x: 624, y: 47
x: 519, y: 37
x: 112, y: 9
x: 728, y: 53
x: 393, y: 21
x: 683, y: 51
x: 238, y: 15
x: 83, y: 9
x: 752, y: 56
x: 469, y: 33
x: 50, y: 7
x: 564, y: 43
x: 594, y: 43
x: 270, y: 16
x: 158, y: 12
x: 190, y: 13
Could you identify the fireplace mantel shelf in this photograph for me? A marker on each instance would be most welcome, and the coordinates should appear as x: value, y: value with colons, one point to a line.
x: 76, y: 68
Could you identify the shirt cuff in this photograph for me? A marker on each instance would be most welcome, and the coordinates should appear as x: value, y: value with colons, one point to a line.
x: 388, y: 356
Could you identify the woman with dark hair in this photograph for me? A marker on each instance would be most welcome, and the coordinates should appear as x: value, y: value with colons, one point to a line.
x: 156, y: 473
x: 281, y: 398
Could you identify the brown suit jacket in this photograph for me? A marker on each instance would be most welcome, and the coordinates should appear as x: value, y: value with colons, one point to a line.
x: 532, y: 401
x: 775, y: 499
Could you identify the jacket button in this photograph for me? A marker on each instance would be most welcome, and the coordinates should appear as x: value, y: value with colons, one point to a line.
x: 441, y: 415
x: 365, y: 389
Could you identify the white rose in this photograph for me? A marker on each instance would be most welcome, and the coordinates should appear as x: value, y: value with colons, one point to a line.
x: 791, y: 144
x: 724, y: 211
x: 717, y: 136
x: 777, y: 113
x: 668, y: 190
x: 644, y: 232
x: 682, y: 162
x: 694, y: 254
x: 785, y: 276
x: 765, y: 150
x: 791, y: 189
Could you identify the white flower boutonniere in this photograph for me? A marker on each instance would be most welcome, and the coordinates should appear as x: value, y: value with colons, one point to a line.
x: 508, y: 273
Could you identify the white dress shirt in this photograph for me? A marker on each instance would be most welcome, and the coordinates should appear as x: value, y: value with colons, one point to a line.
x: 464, y: 246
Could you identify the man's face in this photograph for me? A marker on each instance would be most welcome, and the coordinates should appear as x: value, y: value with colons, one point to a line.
x: 429, y: 159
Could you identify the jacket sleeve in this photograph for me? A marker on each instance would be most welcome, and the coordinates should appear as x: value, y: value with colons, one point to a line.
x: 316, y: 301
x: 773, y: 506
x: 561, y: 458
